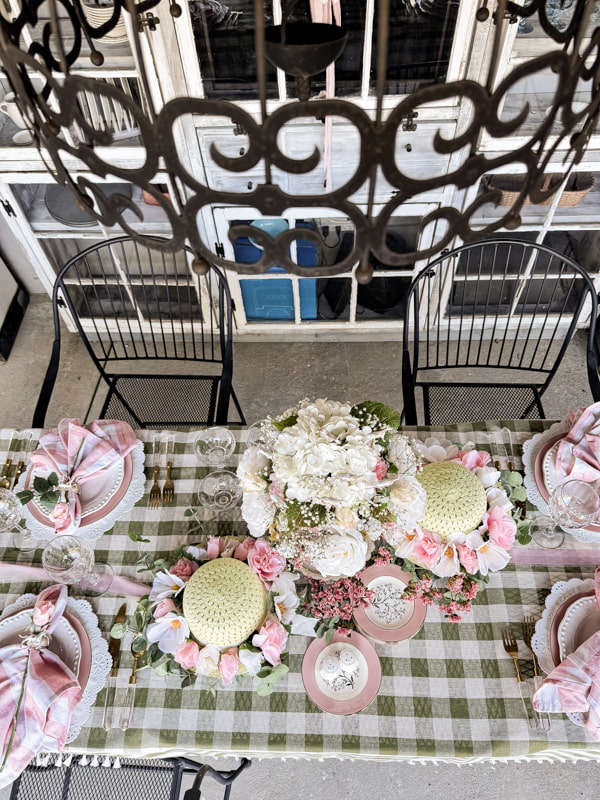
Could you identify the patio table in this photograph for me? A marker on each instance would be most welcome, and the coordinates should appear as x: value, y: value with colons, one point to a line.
x: 449, y: 694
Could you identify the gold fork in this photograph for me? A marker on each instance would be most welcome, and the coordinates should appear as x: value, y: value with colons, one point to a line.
x: 512, y: 648
x: 528, y: 629
x: 154, y: 496
x: 168, y: 486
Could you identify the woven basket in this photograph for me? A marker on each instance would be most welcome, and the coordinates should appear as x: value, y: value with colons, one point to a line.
x: 578, y: 185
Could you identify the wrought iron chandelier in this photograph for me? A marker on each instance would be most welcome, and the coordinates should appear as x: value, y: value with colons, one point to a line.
x: 38, y: 56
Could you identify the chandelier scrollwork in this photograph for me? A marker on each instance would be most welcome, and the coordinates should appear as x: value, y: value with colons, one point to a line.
x: 39, y: 56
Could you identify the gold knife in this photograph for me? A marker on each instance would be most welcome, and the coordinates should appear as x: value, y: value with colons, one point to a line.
x: 114, y: 648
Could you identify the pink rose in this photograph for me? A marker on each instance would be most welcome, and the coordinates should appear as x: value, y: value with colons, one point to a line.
x: 271, y: 639
x: 184, y: 569
x: 502, y: 528
x: 42, y: 613
x: 471, y: 459
x: 381, y: 470
x: 229, y: 665
x: 266, y: 562
x: 187, y: 654
x: 427, y: 549
x: 214, y: 547
x: 468, y: 558
x: 242, y: 550
x: 62, y: 516
x: 164, y: 607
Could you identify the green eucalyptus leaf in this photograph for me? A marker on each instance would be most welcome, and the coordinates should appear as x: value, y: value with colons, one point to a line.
x: 135, y: 536
x: 264, y: 689
x: 519, y: 494
x: 278, y: 672
x: 118, y: 630
x: 515, y: 479
x: 329, y: 635
x: 139, y: 643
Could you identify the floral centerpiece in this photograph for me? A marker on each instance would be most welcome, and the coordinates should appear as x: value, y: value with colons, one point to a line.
x: 327, y: 480
x: 220, y: 620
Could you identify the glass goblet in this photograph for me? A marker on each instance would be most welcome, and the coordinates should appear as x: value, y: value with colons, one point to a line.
x: 68, y: 559
x: 213, y: 446
x: 572, y: 505
x: 254, y: 434
x: 11, y: 514
x: 220, y: 491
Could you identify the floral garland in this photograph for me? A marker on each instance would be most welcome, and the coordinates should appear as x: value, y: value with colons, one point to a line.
x: 164, y: 636
x: 326, y: 481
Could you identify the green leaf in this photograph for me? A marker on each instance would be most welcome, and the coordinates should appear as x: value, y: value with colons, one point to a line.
x: 139, y: 643
x: 385, y: 414
x: 282, y: 424
x: 278, y: 672
x: 188, y: 512
x: 135, y: 536
x: 25, y: 496
x: 118, y: 630
x: 49, y: 500
x: 264, y: 689
x: 40, y: 485
x: 519, y: 494
x: 161, y: 669
x: 515, y: 479
x: 329, y: 635
x: 53, y: 479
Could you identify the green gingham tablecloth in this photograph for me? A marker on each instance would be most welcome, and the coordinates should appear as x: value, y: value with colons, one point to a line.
x: 449, y: 694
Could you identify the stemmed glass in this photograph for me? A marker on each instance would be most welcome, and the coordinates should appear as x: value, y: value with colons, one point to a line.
x: 11, y: 514
x: 68, y: 559
x: 220, y: 490
x: 213, y: 446
x: 572, y: 505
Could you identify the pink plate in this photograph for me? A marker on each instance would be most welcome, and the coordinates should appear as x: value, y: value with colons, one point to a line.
x: 539, y: 469
x: 355, y: 681
x: 85, y: 663
x: 112, y: 486
x: 389, y: 618
x: 558, y: 618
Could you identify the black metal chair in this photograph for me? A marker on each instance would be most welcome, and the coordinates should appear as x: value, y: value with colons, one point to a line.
x: 159, y: 334
x: 150, y: 779
x: 485, y: 328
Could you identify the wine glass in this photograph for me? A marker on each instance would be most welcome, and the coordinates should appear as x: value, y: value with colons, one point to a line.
x: 572, y: 505
x: 11, y: 514
x: 213, y: 446
x: 220, y: 490
x: 68, y: 559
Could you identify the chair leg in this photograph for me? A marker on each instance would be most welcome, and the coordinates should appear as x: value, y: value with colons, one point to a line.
x: 238, y: 407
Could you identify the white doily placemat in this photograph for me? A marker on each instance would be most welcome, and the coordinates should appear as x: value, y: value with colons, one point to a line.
x: 101, y: 661
x: 94, y: 530
x: 540, y: 641
x: 531, y: 448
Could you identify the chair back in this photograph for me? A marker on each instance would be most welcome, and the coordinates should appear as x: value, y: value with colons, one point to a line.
x: 504, y: 305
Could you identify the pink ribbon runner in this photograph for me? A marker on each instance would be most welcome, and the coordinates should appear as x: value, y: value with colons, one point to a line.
x: 38, y: 692
x: 77, y: 454
x: 578, y: 454
x: 574, y: 685
x: 121, y: 585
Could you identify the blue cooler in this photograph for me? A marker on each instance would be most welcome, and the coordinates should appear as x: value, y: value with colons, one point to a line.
x: 272, y: 299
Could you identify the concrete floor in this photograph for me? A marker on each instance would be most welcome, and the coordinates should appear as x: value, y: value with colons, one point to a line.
x: 269, y: 377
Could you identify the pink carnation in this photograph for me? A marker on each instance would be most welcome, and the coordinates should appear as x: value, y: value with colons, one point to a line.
x: 271, y: 639
x: 427, y: 549
x: 501, y: 527
x: 381, y: 470
x: 184, y: 569
x: 468, y: 558
x: 187, y: 654
x: 164, y: 607
x: 266, y: 562
x: 471, y: 459
x: 242, y: 550
x: 229, y: 665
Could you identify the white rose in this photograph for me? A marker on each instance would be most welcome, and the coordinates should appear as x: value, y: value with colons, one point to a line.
x: 487, y: 475
x: 346, y: 518
x: 258, y: 511
x: 407, y: 493
x: 344, y: 555
x: 497, y: 498
x: 252, y: 470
